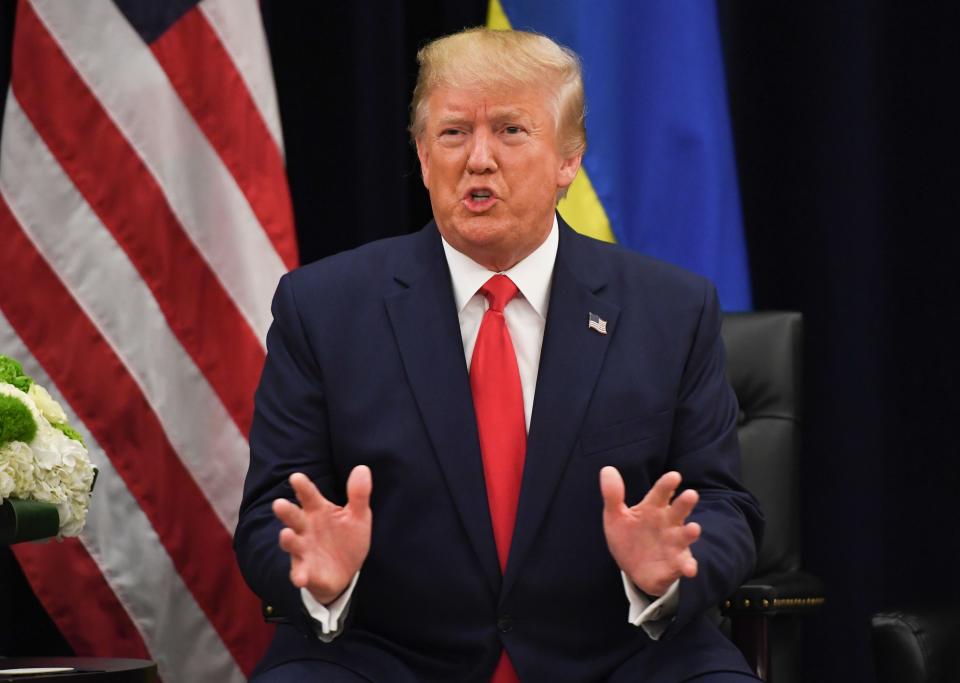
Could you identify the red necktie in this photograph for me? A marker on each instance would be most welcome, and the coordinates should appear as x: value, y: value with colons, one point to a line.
x: 498, y: 403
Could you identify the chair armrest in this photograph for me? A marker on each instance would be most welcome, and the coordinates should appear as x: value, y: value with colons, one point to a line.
x: 917, y: 646
x: 782, y: 593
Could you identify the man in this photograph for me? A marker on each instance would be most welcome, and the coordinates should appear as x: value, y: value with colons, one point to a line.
x: 527, y: 402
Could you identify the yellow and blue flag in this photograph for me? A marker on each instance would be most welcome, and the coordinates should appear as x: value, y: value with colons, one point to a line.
x: 659, y: 175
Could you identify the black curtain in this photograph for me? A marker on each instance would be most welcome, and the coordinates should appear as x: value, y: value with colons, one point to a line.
x: 846, y: 138
x: 344, y: 73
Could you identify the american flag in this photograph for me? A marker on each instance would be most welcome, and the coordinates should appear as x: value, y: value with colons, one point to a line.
x: 595, y: 322
x: 144, y: 223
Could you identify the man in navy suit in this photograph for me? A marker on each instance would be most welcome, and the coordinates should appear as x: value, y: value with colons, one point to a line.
x: 566, y: 511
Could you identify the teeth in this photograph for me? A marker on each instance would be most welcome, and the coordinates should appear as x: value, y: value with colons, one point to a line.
x: 480, y: 195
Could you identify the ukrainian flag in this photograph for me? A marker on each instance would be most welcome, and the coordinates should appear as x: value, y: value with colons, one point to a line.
x: 659, y: 175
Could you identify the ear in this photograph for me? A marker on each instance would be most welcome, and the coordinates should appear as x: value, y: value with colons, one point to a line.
x: 423, y: 153
x: 568, y: 171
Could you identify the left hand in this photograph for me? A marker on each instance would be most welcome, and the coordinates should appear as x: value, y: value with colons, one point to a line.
x: 650, y: 541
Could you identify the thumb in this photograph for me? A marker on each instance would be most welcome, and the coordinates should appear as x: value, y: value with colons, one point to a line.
x: 359, y: 486
x: 611, y: 488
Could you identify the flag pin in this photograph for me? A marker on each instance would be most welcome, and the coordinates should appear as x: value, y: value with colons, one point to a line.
x: 595, y: 322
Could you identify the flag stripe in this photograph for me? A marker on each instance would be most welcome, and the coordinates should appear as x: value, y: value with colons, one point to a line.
x: 142, y: 221
x: 191, y: 54
x: 47, y: 318
x: 88, y: 630
x: 128, y: 201
x: 93, y: 266
x: 140, y: 100
x: 118, y: 536
x: 580, y: 208
x: 660, y: 157
x: 246, y: 44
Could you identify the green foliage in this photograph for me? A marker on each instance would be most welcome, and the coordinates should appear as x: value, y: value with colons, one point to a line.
x: 69, y: 431
x: 11, y: 372
x: 16, y: 422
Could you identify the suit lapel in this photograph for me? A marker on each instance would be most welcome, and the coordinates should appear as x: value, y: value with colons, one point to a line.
x: 424, y: 319
x: 570, y: 362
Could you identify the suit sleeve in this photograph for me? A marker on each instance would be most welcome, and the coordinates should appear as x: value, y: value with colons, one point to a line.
x: 289, y: 434
x: 705, y: 450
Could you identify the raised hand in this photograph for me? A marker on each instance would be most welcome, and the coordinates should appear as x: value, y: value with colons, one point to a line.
x: 327, y: 543
x: 650, y: 541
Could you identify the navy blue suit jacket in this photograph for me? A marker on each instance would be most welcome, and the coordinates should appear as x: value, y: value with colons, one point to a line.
x: 365, y: 365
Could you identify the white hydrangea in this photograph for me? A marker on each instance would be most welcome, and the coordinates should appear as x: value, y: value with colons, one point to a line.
x: 46, y: 404
x: 7, y: 483
x: 52, y: 468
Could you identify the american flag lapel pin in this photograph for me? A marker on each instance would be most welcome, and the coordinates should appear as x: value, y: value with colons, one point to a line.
x: 596, y: 323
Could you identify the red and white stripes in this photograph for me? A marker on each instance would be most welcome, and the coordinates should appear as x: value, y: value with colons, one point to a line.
x: 144, y: 222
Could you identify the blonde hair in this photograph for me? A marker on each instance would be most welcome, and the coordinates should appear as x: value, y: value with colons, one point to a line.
x: 485, y: 58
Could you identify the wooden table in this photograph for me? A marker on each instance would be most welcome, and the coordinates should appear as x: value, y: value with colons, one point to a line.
x: 86, y: 670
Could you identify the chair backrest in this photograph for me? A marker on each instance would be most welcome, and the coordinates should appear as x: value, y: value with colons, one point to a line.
x: 917, y: 646
x: 764, y: 366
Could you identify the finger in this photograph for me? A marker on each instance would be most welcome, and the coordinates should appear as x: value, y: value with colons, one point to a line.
x: 688, y: 567
x: 290, y: 542
x: 309, y: 495
x: 682, y: 537
x: 291, y: 515
x: 612, y: 489
x: 298, y: 575
x: 683, y: 505
x: 359, y: 487
x: 662, y: 491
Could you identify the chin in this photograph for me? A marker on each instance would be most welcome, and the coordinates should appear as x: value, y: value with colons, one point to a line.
x: 481, y: 230
x: 489, y: 240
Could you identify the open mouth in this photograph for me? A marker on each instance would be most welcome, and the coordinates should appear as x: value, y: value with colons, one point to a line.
x: 479, y: 199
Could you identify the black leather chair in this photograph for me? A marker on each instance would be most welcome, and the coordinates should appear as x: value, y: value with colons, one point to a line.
x: 764, y: 367
x: 920, y: 646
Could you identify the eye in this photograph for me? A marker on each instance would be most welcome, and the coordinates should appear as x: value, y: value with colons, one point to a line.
x: 512, y: 130
x: 448, y: 132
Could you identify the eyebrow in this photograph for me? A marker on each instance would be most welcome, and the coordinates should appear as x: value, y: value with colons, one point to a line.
x: 500, y: 115
x: 454, y: 119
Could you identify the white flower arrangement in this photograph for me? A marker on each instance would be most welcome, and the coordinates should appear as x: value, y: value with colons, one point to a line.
x: 42, y: 458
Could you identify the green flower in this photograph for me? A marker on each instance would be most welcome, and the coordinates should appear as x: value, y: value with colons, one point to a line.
x: 68, y: 431
x: 11, y: 372
x: 16, y: 422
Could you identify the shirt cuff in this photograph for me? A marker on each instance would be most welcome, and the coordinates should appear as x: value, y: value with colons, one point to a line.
x: 652, y: 615
x: 327, y: 617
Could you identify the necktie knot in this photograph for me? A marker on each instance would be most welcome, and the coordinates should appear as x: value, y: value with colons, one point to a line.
x: 499, y: 290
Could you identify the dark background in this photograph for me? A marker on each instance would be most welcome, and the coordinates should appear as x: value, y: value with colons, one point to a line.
x: 846, y: 138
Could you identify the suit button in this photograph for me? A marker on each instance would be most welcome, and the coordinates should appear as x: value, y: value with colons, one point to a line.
x: 505, y: 623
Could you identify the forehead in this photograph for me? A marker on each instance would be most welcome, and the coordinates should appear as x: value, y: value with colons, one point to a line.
x: 470, y: 102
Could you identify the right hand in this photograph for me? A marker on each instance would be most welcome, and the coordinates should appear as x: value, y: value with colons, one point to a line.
x: 327, y: 543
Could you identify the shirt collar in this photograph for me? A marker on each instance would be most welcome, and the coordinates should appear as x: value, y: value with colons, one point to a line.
x: 532, y: 275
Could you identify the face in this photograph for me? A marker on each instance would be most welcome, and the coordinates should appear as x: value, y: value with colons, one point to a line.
x: 491, y: 162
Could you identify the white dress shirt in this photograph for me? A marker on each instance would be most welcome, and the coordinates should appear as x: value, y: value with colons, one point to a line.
x: 526, y: 318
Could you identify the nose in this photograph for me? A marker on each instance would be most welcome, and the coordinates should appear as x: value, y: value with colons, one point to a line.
x: 482, y: 158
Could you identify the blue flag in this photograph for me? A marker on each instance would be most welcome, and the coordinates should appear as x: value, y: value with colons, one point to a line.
x: 660, y: 174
